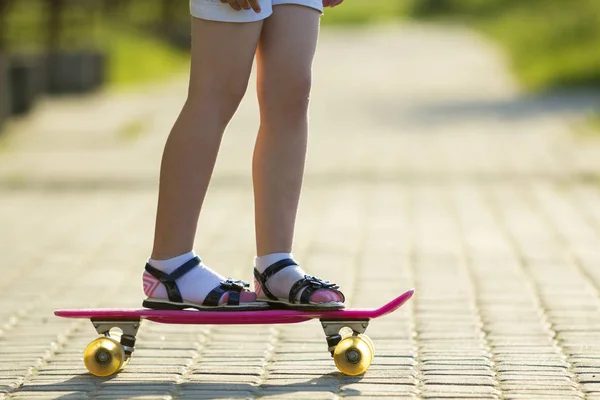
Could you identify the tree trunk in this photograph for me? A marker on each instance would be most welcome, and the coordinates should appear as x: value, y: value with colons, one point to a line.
x: 3, y: 11
x: 168, y: 16
x: 53, y: 28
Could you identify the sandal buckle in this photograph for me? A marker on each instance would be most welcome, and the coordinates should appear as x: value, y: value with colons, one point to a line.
x: 318, y: 283
x: 234, y: 284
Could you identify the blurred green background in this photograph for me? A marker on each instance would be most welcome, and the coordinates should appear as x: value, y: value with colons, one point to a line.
x: 81, y: 45
x: 551, y: 43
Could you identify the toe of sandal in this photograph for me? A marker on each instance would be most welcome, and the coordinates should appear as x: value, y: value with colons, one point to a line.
x: 308, y: 285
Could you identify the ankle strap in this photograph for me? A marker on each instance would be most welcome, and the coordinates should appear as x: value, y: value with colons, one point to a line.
x: 269, y: 272
x: 169, y: 279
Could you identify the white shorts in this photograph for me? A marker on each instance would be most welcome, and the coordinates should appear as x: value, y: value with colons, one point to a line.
x: 214, y: 10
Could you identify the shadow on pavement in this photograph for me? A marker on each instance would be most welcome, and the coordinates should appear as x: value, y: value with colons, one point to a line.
x: 431, y: 111
x: 87, y: 385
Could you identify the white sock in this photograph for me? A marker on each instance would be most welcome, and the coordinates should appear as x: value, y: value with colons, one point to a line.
x: 281, y: 283
x: 263, y: 262
x: 194, y: 286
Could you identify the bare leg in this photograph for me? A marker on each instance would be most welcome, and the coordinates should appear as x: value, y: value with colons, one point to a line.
x: 285, y: 54
x: 222, y: 56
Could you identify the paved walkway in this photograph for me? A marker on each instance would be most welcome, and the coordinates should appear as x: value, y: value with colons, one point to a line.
x: 427, y: 169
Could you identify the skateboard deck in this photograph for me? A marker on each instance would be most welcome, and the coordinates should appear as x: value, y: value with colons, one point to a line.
x: 111, y: 352
x: 273, y: 316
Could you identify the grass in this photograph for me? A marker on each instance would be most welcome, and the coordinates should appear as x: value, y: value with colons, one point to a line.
x: 551, y: 43
x: 135, y: 58
x: 361, y: 12
x: 557, y: 48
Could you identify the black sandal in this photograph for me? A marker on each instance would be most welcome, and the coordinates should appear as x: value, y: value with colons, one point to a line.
x: 310, y: 284
x: 211, y: 302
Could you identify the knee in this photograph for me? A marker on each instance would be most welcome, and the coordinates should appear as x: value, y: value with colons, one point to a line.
x: 219, y: 97
x: 286, y: 96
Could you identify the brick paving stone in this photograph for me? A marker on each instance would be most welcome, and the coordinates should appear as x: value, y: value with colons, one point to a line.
x: 380, y: 397
x: 50, y: 396
x: 458, y: 361
x: 588, y: 377
x: 432, y: 356
x: 309, y: 395
x: 216, y: 395
x: 458, y: 379
x: 133, y: 387
x: 534, y: 377
x: 460, y: 389
x: 461, y: 396
x: 220, y: 369
x: 377, y: 380
x: 513, y: 386
x: 7, y: 385
x: 133, y: 397
x: 593, y: 387
x: 434, y: 368
x: 221, y: 378
x: 7, y: 372
x: 533, y: 392
x: 44, y: 386
x: 216, y: 387
x: 543, y: 396
x: 369, y: 389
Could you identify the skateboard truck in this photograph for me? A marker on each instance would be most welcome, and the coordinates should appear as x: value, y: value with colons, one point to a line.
x: 332, y: 330
x: 129, y: 329
x: 353, y: 353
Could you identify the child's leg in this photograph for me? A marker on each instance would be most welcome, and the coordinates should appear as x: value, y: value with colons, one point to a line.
x: 222, y: 56
x: 285, y: 55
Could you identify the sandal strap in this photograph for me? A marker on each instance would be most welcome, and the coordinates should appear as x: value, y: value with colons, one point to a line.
x: 168, y: 280
x: 262, y: 278
x: 311, y: 284
x: 233, y: 286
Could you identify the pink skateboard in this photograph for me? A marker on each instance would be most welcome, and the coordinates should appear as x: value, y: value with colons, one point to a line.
x: 352, y: 353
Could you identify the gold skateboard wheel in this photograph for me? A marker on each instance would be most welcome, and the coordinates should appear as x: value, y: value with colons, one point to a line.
x: 353, y: 355
x: 369, y: 342
x: 104, y: 356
